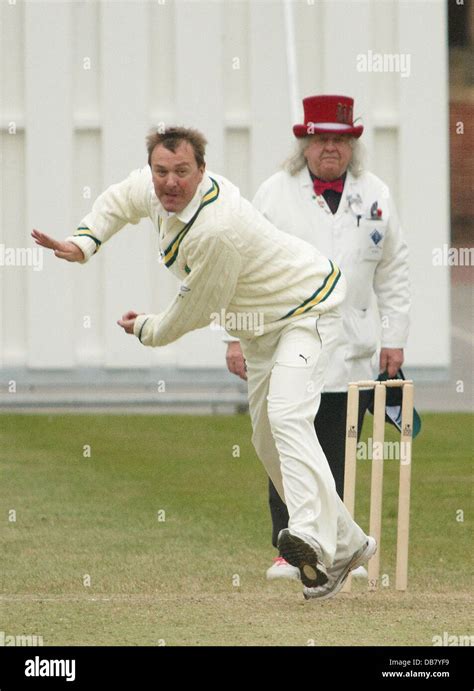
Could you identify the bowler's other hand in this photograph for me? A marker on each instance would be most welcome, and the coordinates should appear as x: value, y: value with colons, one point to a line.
x: 128, y: 321
x: 391, y: 359
x: 63, y: 250
x: 235, y: 360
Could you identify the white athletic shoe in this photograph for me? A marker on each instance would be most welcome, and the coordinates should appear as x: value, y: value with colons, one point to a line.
x: 281, y: 569
x: 338, y: 573
x: 359, y: 572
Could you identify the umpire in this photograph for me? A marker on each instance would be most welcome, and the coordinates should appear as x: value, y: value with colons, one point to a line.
x: 326, y: 197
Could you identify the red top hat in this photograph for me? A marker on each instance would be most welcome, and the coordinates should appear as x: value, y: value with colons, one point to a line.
x: 329, y: 114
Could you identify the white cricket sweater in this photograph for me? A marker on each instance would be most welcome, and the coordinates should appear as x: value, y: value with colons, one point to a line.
x: 235, y: 267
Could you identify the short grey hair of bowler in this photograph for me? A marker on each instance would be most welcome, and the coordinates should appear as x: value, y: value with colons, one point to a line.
x: 296, y: 161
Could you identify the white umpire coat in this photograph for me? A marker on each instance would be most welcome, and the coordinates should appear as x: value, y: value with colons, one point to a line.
x: 370, y: 251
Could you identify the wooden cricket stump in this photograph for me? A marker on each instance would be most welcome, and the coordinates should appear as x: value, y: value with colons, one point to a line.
x: 376, y: 486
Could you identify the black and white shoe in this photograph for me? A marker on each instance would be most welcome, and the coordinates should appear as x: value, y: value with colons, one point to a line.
x: 339, y: 573
x: 301, y: 554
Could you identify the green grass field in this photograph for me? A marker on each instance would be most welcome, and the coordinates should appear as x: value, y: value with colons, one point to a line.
x: 162, y: 536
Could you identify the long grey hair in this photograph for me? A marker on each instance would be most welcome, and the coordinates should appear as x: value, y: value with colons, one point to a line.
x: 297, y: 161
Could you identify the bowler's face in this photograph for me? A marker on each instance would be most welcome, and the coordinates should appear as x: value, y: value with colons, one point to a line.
x: 176, y: 175
x: 328, y: 155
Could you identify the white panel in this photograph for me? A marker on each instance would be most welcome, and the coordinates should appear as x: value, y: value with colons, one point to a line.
x: 12, y: 170
x: 89, y: 284
x: 48, y: 178
x: 11, y: 61
x: 384, y: 35
x: 385, y: 160
x: 162, y: 59
x: 237, y: 160
x: 86, y: 65
x: 311, y: 57
x: 89, y: 281
x: 271, y: 113
x: 424, y: 179
x: 126, y: 259
x: 13, y: 278
x: 236, y: 84
x: 236, y: 64
x: 199, y: 79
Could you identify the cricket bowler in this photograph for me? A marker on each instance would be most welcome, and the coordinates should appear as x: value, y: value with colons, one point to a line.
x: 230, y: 260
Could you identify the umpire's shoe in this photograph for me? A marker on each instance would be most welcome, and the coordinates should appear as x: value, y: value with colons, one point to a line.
x: 338, y: 572
x: 301, y: 554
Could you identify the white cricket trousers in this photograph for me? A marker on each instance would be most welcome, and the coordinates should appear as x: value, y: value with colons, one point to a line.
x: 285, y: 372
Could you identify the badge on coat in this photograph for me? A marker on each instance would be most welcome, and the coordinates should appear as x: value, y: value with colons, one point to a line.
x: 376, y: 237
x: 375, y: 212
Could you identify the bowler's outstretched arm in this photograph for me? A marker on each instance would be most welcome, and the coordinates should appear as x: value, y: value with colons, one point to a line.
x: 63, y: 250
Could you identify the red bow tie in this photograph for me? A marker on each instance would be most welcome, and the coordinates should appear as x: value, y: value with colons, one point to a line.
x: 321, y: 186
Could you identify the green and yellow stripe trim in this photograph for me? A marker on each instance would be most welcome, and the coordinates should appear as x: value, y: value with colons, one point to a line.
x: 171, y: 252
x: 320, y: 295
x: 84, y: 231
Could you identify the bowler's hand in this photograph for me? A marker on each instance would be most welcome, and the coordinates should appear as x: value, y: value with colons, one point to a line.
x: 63, y: 250
x: 235, y: 360
x: 128, y: 321
x: 391, y: 359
